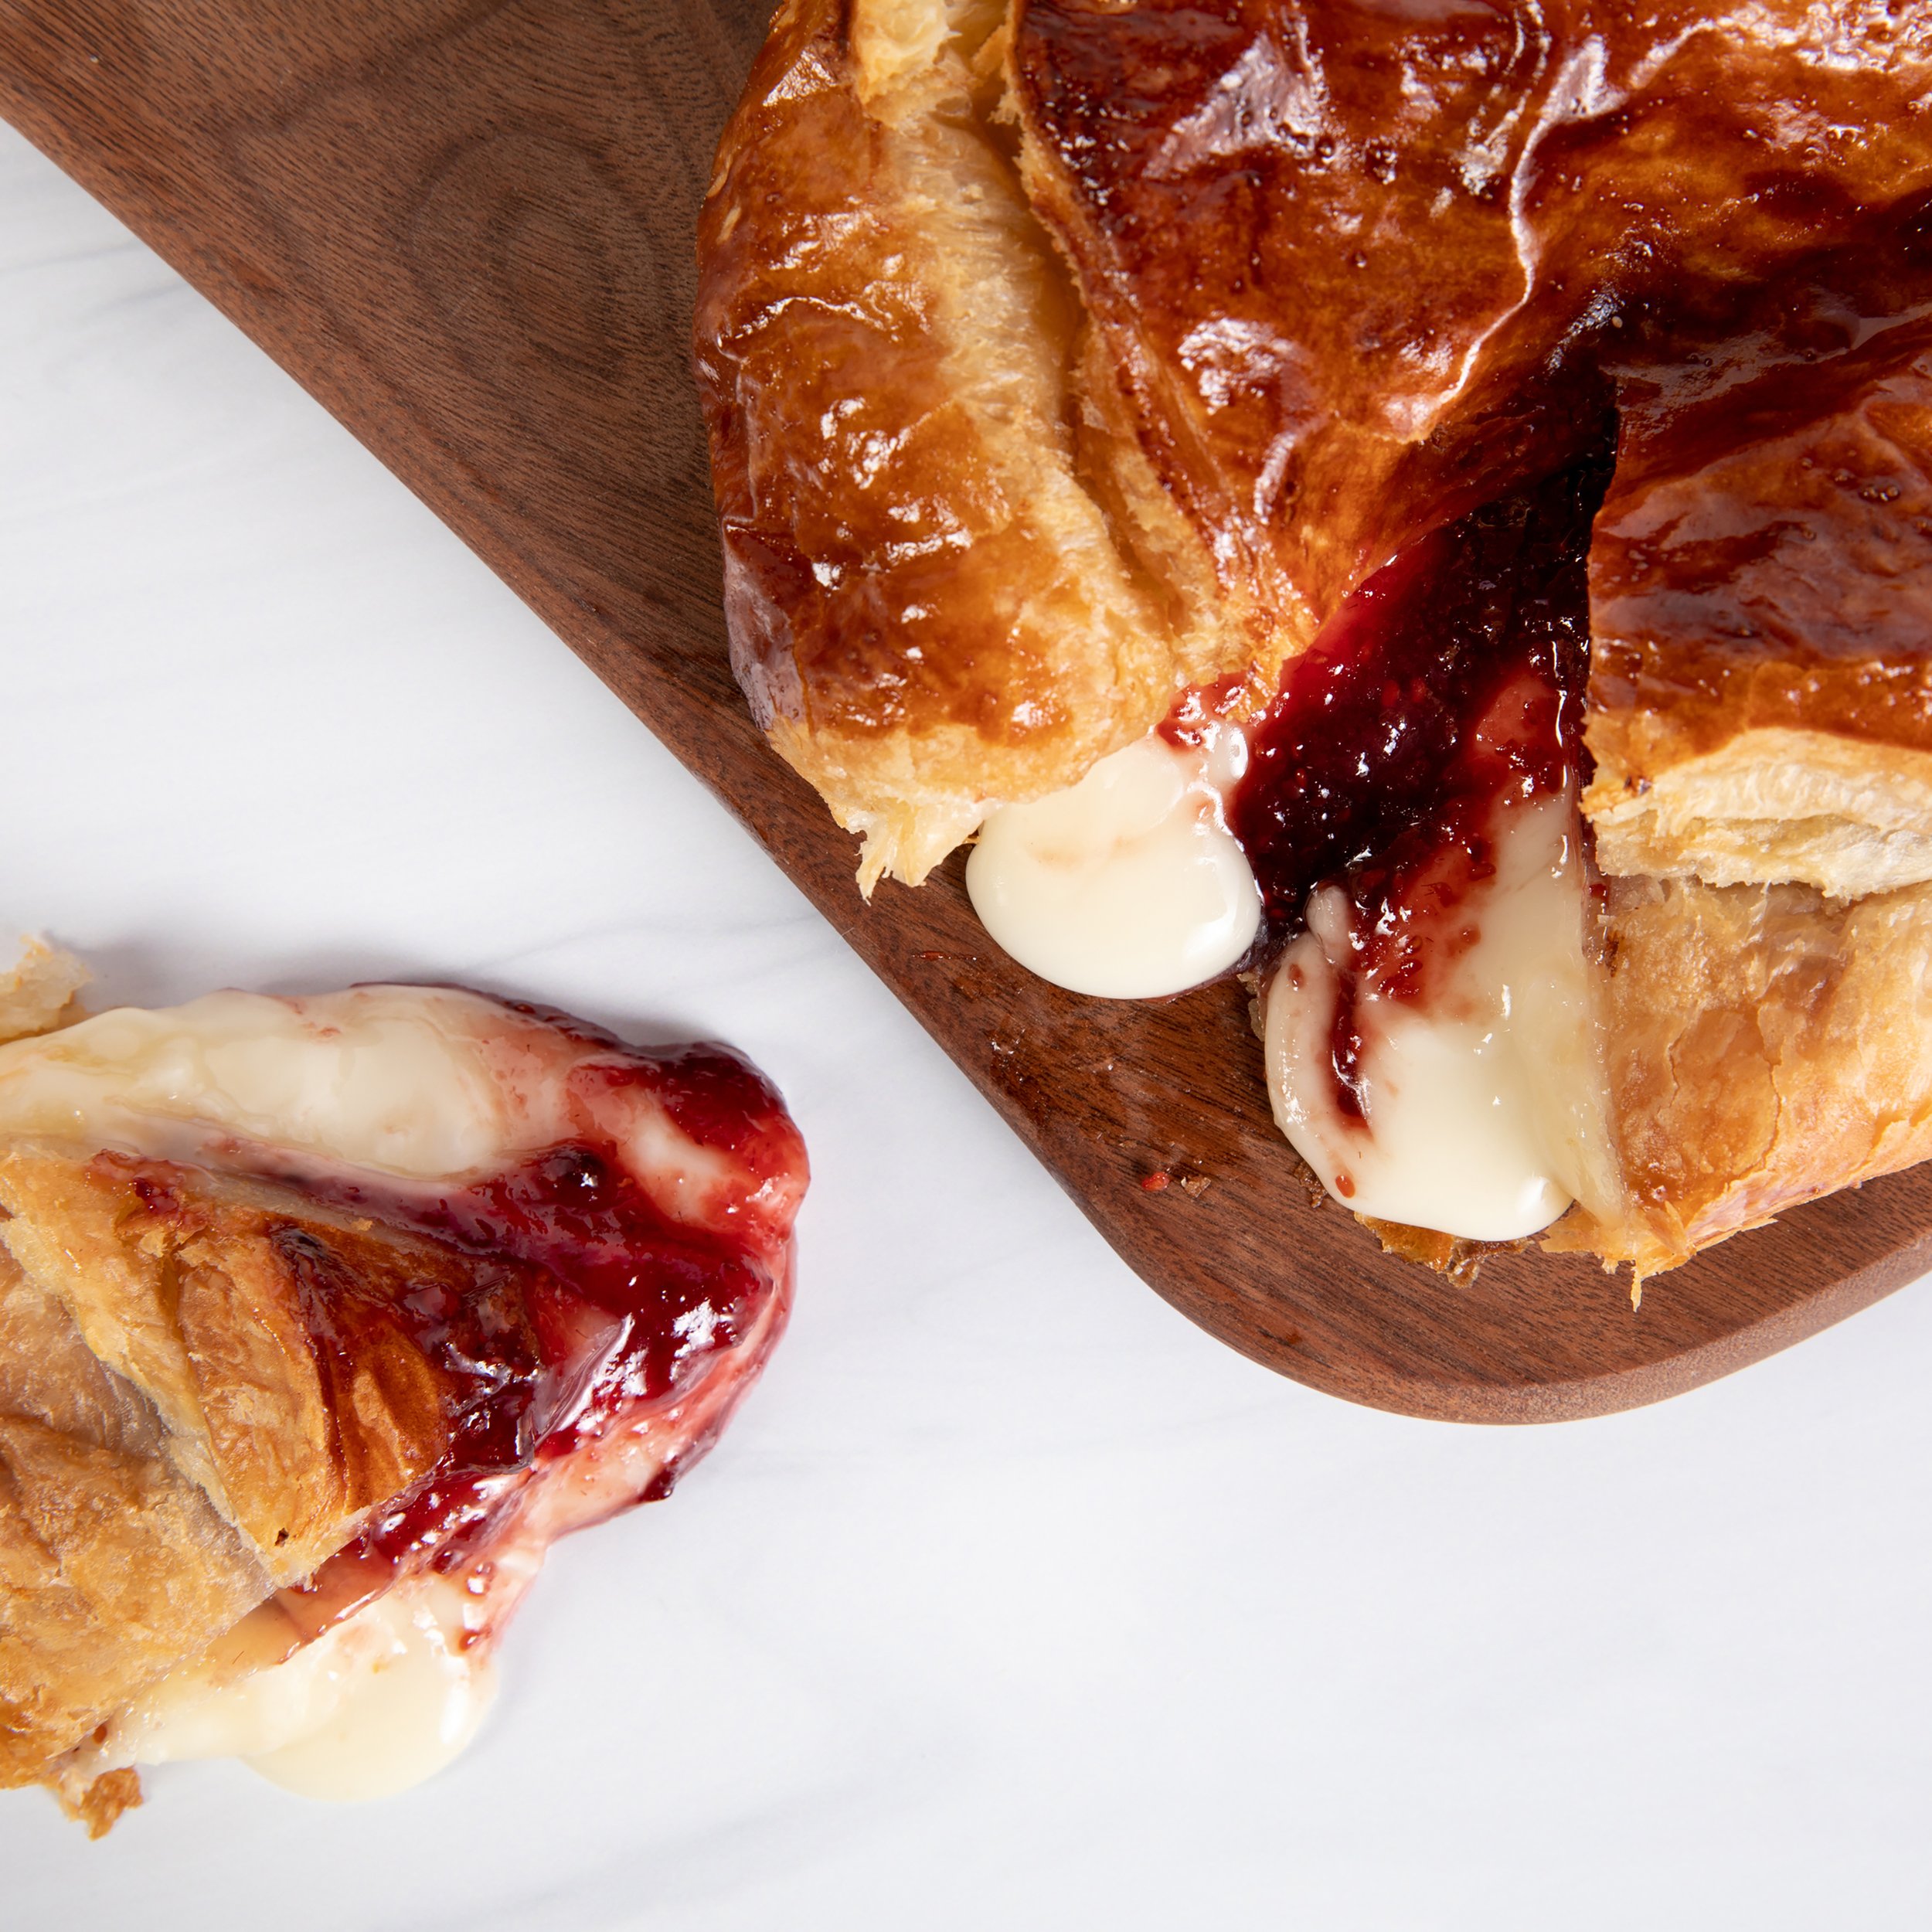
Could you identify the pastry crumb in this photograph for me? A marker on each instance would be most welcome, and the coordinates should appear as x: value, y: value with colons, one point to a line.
x: 100, y: 1803
x: 40, y: 994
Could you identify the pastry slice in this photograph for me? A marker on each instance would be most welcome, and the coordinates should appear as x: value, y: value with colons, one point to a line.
x: 320, y: 1319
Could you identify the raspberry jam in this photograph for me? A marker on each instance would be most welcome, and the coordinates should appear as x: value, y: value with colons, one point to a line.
x: 547, y: 1302
x: 1448, y: 686
x: 587, y: 1298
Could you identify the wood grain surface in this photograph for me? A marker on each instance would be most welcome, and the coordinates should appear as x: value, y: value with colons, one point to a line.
x: 465, y: 226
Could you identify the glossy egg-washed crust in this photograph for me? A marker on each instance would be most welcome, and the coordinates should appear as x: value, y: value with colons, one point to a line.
x: 1061, y: 355
x: 1371, y: 265
x: 952, y: 573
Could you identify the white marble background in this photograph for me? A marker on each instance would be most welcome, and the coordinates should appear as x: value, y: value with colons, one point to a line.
x: 1010, y: 1601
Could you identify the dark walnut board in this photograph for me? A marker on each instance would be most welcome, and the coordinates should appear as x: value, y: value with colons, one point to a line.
x: 465, y: 226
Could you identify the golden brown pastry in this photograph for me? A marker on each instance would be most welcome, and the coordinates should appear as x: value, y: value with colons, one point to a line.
x: 319, y: 1320
x: 1011, y: 446
x: 1760, y: 1037
x: 1073, y: 365
x: 176, y: 1450
x: 1761, y: 609
x: 932, y: 605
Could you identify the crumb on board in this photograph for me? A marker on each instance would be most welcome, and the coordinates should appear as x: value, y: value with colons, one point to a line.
x: 1448, y: 1254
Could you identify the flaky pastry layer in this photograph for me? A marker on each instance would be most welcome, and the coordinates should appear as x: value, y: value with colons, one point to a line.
x: 177, y: 1443
x: 1765, y: 1045
x: 952, y: 579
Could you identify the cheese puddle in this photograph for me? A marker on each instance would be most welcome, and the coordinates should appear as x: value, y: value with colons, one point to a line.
x: 385, y: 1699
x: 1127, y: 885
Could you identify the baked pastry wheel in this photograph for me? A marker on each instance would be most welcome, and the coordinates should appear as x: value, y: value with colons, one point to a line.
x: 321, y: 1319
x: 1428, y: 506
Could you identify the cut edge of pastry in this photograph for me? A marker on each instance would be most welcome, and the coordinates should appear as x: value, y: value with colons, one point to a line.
x: 1771, y: 805
x: 1769, y: 1045
x: 115, y: 1555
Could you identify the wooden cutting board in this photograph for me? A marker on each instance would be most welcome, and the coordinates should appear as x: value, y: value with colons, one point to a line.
x: 465, y: 226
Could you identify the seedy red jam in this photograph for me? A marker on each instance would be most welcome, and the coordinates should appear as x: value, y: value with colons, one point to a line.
x: 558, y: 1295
x: 1451, y: 682
x: 588, y: 1297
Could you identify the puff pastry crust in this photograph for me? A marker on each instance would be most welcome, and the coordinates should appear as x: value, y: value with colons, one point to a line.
x: 952, y: 576
x: 176, y: 1444
x: 1060, y: 354
x: 1765, y: 1045
x: 1761, y: 620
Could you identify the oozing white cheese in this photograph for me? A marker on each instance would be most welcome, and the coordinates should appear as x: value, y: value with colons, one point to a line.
x: 380, y: 1703
x: 421, y: 1082
x: 1485, y: 1107
x: 1127, y: 885
x: 391, y: 1078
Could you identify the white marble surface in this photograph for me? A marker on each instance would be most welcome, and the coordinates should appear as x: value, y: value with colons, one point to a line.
x: 1010, y: 1601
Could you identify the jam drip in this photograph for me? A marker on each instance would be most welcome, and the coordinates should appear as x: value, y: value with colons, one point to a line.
x: 584, y: 1298
x: 1450, y: 685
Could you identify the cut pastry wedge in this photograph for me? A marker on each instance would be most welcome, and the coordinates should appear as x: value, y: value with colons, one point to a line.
x: 321, y: 1318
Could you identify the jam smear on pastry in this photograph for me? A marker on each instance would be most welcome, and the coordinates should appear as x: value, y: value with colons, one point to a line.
x: 324, y: 1317
x: 1411, y: 809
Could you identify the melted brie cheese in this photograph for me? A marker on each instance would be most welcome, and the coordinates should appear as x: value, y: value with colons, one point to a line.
x: 385, y: 1699
x: 390, y: 1078
x: 1127, y: 885
x: 411, y: 1082
x: 1484, y: 1108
